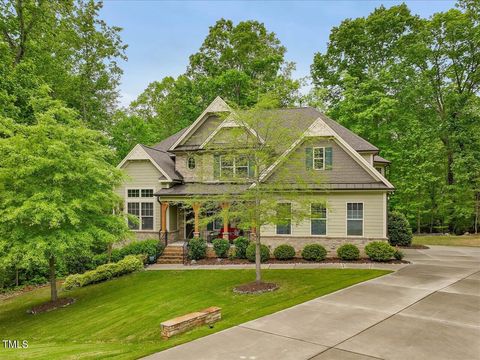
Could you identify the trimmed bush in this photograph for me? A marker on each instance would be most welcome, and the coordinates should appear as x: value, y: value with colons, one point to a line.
x: 150, y: 248
x: 241, y: 243
x: 348, y: 252
x: 197, y: 249
x: 398, y: 255
x: 379, y: 251
x: 284, y: 252
x: 221, y: 247
x: 399, y: 230
x: 314, y: 252
x: 264, y: 252
x: 104, y: 272
x: 99, y: 259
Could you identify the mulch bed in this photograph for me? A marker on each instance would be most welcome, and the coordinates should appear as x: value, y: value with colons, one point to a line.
x: 51, y: 305
x: 414, y: 246
x: 255, y: 288
x: 215, y: 261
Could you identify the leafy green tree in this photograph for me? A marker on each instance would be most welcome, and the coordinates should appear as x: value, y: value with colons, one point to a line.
x: 408, y: 85
x: 252, y: 198
x: 239, y: 62
x: 69, y: 47
x: 57, y: 185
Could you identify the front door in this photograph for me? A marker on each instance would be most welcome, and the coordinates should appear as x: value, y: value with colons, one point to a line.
x: 189, y: 223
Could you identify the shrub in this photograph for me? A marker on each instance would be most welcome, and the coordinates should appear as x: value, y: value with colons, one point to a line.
x: 314, y: 252
x: 241, y: 243
x: 399, y: 230
x: 221, y: 247
x: 284, y: 252
x: 104, y: 272
x: 398, y: 255
x: 379, y: 251
x: 99, y: 259
x: 264, y: 252
x: 348, y: 252
x: 150, y: 248
x: 197, y: 249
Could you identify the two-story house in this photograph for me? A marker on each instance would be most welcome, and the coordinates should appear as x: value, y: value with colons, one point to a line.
x: 163, y: 176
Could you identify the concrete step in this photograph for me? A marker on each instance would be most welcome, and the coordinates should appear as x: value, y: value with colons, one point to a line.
x: 169, y: 257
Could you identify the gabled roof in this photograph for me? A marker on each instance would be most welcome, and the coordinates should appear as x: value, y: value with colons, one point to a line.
x: 379, y: 159
x: 165, y: 144
x: 164, y: 160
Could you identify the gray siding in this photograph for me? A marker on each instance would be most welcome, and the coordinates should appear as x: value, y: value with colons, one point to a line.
x: 142, y: 174
x: 345, y: 170
x: 374, y: 215
x: 204, y: 130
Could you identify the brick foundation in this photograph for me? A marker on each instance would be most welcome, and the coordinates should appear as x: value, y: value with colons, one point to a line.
x: 331, y: 244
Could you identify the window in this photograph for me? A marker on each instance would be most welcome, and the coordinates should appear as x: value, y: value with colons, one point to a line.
x: 147, y: 192
x: 216, y: 223
x: 147, y: 216
x: 318, y: 219
x: 318, y: 158
x: 191, y: 162
x: 133, y: 209
x: 354, y: 219
x: 284, y: 216
x: 142, y: 210
x: 144, y: 193
x: 133, y: 193
x: 234, y: 167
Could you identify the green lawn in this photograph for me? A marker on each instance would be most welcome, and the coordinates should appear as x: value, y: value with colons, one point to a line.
x: 121, y: 318
x: 449, y: 240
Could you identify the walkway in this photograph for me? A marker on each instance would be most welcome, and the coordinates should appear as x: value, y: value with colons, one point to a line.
x: 427, y: 310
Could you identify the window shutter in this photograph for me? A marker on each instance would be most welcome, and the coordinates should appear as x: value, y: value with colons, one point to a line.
x: 328, y: 158
x: 309, y: 158
x: 251, y: 169
x: 216, y: 166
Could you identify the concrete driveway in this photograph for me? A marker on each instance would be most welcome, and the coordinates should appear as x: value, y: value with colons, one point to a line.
x: 427, y: 310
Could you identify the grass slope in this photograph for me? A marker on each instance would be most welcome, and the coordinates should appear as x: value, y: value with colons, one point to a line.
x: 448, y: 240
x: 121, y: 318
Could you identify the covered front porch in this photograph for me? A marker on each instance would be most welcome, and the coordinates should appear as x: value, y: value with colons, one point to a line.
x: 199, y: 210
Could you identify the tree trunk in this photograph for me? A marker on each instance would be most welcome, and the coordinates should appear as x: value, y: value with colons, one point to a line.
x: 477, y: 211
x: 109, y: 252
x: 258, y: 272
x: 16, y: 276
x: 418, y: 222
x: 53, y: 279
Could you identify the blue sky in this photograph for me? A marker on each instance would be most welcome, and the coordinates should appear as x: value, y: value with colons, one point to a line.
x: 162, y: 34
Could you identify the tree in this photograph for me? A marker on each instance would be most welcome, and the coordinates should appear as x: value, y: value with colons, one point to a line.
x: 239, y: 63
x: 68, y: 46
x: 57, y: 185
x: 253, y: 198
x: 407, y: 85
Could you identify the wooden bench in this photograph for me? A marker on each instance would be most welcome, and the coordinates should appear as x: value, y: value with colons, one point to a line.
x: 186, y: 322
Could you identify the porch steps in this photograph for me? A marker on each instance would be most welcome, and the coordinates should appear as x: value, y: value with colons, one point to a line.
x: 171, y: 255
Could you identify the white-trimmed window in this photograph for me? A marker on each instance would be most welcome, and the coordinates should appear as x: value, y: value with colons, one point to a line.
x: 318, y: 219
x: 319, y: 158
x: 142, y: 209
x: 233, y: 166
x: 191, y: 162
x: 284, y: 219
x: 354, y: 219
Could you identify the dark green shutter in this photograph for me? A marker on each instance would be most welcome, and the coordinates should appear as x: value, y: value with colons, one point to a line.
x: 216, y: 166
x: 328, y: 158
x: 251, y: 169
x: 309, y: 158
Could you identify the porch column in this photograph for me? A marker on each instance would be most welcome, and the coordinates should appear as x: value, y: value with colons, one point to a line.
x: 163, y: 228
x: 196, y: 212
x: 225, y: 206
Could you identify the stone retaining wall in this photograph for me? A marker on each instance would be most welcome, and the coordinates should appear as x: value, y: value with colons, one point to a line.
x: 189, y: 321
